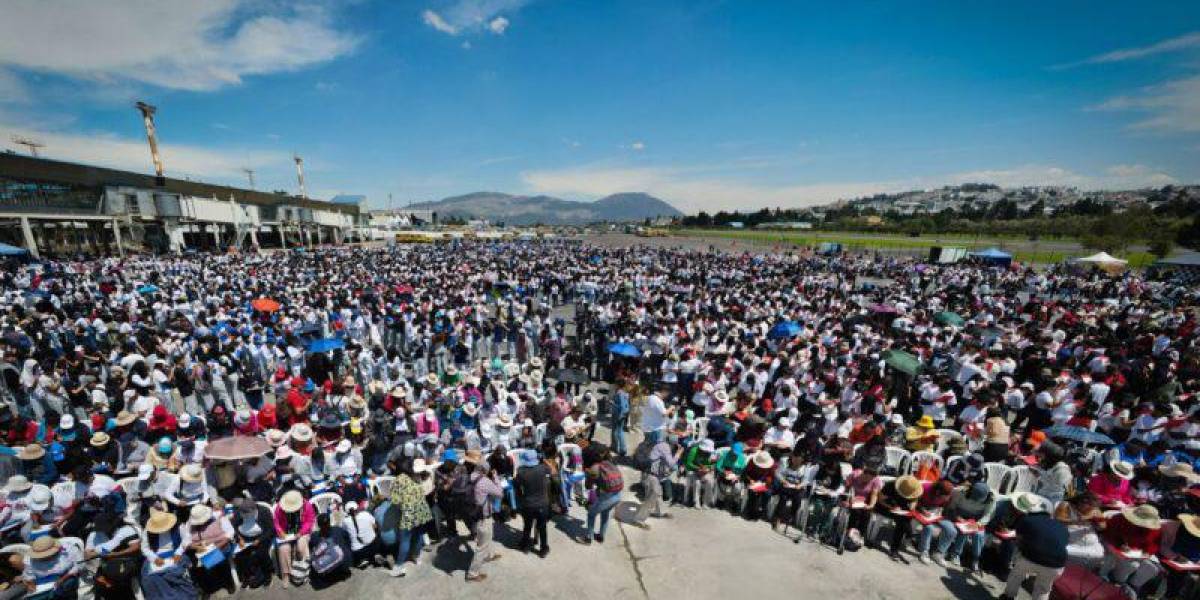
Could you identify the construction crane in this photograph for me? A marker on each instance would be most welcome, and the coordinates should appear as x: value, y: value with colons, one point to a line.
x: 33, y: 145
x: 249, y: 175
x: 300, y: 172
x: 148, y: 119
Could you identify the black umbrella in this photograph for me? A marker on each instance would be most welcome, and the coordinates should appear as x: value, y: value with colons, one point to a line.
x: 575, y: 376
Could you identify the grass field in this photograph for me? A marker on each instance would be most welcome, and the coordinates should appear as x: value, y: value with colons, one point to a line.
x: 1023, y: 250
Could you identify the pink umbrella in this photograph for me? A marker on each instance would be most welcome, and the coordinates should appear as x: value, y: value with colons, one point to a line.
x: 237, y: 447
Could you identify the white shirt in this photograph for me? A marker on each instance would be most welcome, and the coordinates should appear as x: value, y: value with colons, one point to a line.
x: 654, y: 415
x: 361, y: 529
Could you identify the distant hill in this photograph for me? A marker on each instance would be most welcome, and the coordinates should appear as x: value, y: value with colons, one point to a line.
x: 548, y: 210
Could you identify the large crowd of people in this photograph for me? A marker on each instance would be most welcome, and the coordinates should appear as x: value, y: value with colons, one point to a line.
x: 175, y: 426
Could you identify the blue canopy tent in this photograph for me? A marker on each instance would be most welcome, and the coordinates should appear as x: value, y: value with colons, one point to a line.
x: 993, y: 256
x: 326, y: 344
x: 13, y: 251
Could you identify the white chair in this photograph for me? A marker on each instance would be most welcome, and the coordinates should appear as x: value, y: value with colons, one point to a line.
x: 944, y: 437
x: 324, y: 503
x: 539, y: 433
x: 382, y: 486
x: 63, y: 493
x: 896, y: 460
x: 700, y: 428
x: 128, y: 485
x: 920, y: 458
x: 995, y: 475
x: 1020, y: 479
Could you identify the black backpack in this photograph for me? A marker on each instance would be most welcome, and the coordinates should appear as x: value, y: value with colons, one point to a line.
x: 462, y: 497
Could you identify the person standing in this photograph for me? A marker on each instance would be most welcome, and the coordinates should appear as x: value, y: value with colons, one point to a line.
x: 605, y: 480
x: 620, y: 419
x: 1041, y: 548
x: 486, y: 490
x: 532, y: 484
x: 656, y: 415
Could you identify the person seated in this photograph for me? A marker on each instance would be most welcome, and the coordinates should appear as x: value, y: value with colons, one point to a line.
x: 897, y: 500
x: 964, y: 520
x: 698, y: 469
x: 922, y: 436
x: 1083, y: 518
x: 728, y: 473
x: 1111, y: 487
x: 253, y: 534
x: 789, y: 488
x: 53, y: 567
x: 1133, y: 538
x: 1186, y: 548
x: 293, y: 520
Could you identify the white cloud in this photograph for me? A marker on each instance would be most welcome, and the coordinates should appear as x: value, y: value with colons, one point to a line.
x: 469, y: 16
x: 1171, y: 107
x: 692, y: 189
x: 178, y: 44
x: 436, y: 21
x: 1175, y: 44
x: 179, y: 160
x: 638, y: 146
x: 498, y: 25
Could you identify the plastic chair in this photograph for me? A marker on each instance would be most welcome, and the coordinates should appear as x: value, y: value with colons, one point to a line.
x: 324, y: 503
x: 1020, y: 479
x: 700, y: 428
x: 920, y: 458
x: 539, y: 433
x: 63, y: 493
x: 994, y: 476
x: 896, y: 460
x: 382, y: 486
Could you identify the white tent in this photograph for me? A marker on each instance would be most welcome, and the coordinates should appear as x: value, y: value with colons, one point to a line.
x: 1102, y: 258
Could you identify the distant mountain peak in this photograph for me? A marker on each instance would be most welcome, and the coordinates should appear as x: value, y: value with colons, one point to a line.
x: 548, y: 210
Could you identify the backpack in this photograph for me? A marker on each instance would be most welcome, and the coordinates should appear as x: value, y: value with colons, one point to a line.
x: 641, y: 454
x: 326, y: 557
x: 462, y: 497
x: 608, y: 479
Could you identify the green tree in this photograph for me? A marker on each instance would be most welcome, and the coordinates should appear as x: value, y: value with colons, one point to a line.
x: 1162, y: 247
x: 1189, y: 235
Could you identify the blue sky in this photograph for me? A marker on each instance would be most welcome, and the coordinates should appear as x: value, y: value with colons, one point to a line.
x: 707, y: 104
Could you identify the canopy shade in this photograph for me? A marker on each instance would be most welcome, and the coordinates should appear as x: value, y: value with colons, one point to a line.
x: 1102, y: 258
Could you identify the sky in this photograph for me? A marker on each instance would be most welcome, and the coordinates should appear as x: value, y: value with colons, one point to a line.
x: 707, y: 104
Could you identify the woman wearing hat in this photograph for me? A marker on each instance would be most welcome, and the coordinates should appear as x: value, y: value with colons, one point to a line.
x: 964, y: 520
x: 897, y: 500
x: 1081, y: 514
x: 117, y: 545
x: 209, y: 535
x: 294, y: 520
x: 760, y: 477
x: 253, y: 535
x: 412, y: 516
x: 1186, y: 548
x: 1111, y: 487
x: 50, y: 565
x: 1135, y: 534
x: 921, y: 437
x: 37, y: 465
x: 165, y: 570
x: 186, y: 491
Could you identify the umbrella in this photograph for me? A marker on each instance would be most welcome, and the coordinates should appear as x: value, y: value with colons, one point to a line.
x: 784, y: 329
x: 575, y: 376
x: 147, y: 289
x: 1075, y: 433
x: 902, y: 361
x: 648, y: 347
x: 266, y: 305
x: 948, y: 318
x: 237, y: 447
x: 326, y: 344
x: 624, y: 349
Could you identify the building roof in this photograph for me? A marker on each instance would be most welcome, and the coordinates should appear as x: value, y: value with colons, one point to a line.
x: 54, y: 171
x: 1187, y: 258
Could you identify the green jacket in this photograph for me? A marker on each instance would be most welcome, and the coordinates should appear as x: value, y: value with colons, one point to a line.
x: 695, y: 459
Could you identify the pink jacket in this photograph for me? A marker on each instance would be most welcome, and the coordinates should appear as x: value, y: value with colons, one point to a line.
x: 426, y: 426
x: 308, y: 518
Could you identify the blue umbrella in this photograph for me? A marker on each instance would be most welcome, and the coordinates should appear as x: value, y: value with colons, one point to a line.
x: 624, y: 349
x: 784, y: 329
x: 326, y: 344
x: 147, y: 289
x: 1075, y: 433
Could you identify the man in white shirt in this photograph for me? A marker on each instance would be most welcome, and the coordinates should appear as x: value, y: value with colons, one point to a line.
x: 363, y: 539
x: 656, y: 415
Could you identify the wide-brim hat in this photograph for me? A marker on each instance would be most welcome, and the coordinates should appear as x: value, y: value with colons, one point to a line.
x: 925, y: 422
x: 291, y: 502
x: 276, y: 437
x: 474, y: 457
x: 1143, y: 515
x: 909, y: 487
x: 451, y: 371
x: 301, y: 432
x: 511, y: 369
x: 191, y: 473
x: 1121, y: 469
x: 1030, y: 503
x: 39, y: 499
x: 536, y: 363
x: 431, y: 380
x: 535, y: 375
x: 125, y: 418
x: 1191, y: 523
x: 1179, y: 470
x: 399, y: 392
x: 284, y: 452
x: 763, y: 459
x: 44, y: 547
x: 504, y: 421
x: 31, y: 452
x: 160, y: 522
x: 199, y: 515
x: 357, y: 401
x: 17, y: 483
x: 99, y: 439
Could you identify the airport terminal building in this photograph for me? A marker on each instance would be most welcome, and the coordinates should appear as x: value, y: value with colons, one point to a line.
x: 58, y: 208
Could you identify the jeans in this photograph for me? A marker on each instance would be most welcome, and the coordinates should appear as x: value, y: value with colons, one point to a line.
x: 410, y: 542
x: 531, y: 517
x: 603, y: 507
x: 618, y: 435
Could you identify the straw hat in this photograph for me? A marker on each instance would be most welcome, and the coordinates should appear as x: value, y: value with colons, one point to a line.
x: 474, y: 457
x: 536, y: 363
x: 925, y: 422
x: 357, y: 401
x: 191, y: 473
x: 32, y: 452
x: 125, y: 418
x: 160, y: 522
x: 44, y: 547
x: 451, y: 371
x: 399, y: 392
x: 301, y: 432
x: 1191, y: 523
x: 504, y: 420
x: 39, y: 498
x: 1143, y: 515
x: 291, y: 502
x: 908, y: 487
x: 99, y: 439
x: 1179, y: 470
x: 199, y: 515
x: 431, y: 380
x: 283, y: 453
x: 511, y: 369
x: 763, y: 460
x: 17, y: 483
x: 535, y: 375
x: 1121, y: 469
x: 276, y: 438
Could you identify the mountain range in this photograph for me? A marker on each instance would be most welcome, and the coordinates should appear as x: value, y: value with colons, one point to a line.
x: 547, y: 210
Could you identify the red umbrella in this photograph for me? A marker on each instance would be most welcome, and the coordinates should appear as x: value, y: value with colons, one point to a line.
x: 266, y: 305
x: 237, y: 447
x: 404, y: 288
